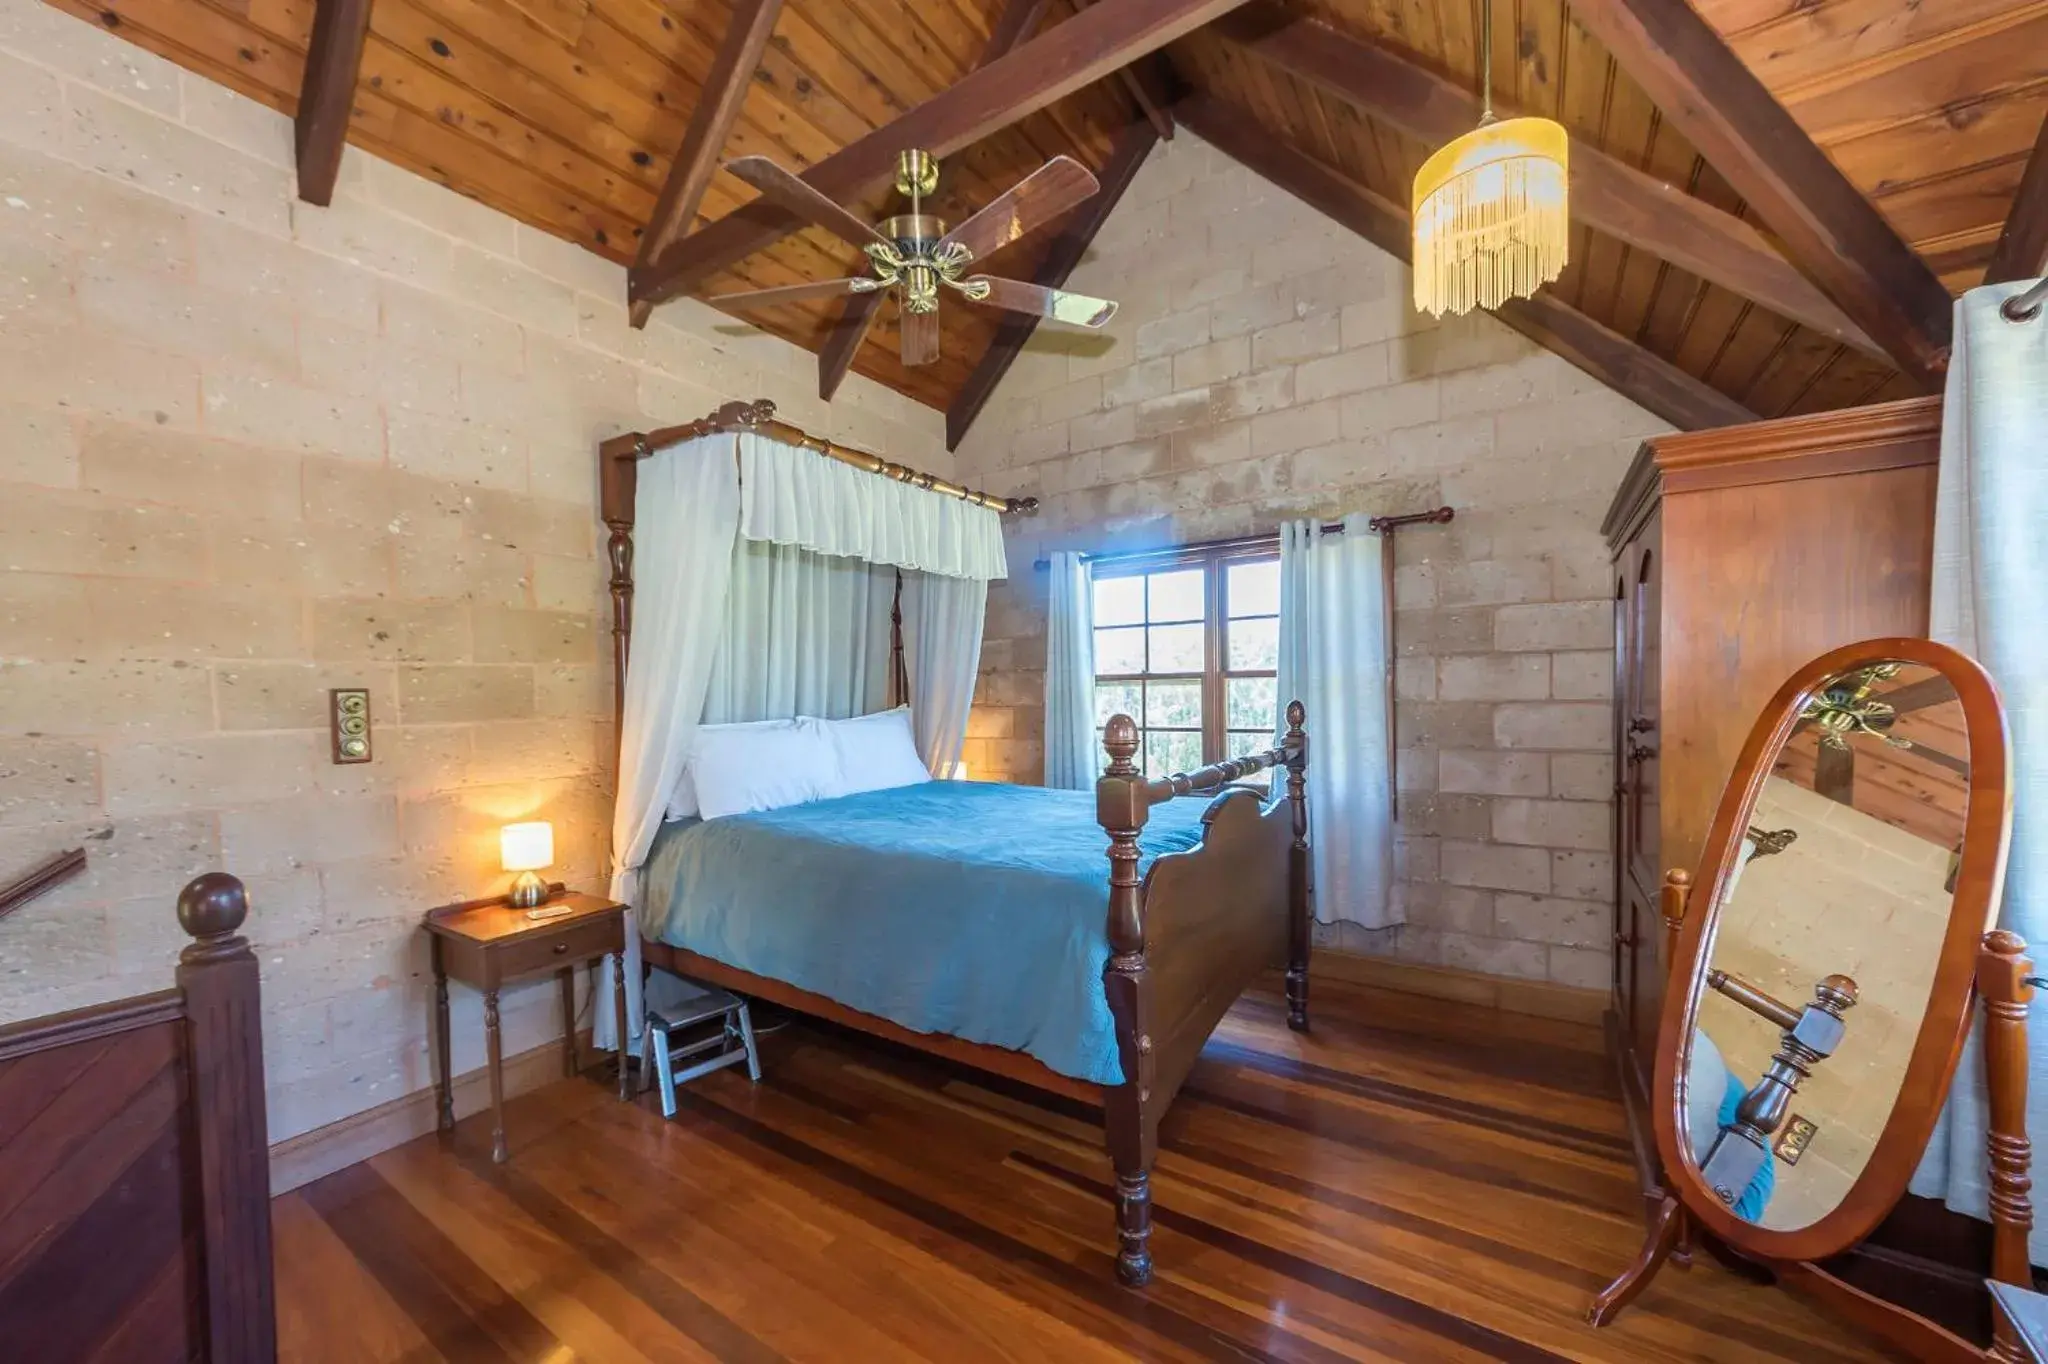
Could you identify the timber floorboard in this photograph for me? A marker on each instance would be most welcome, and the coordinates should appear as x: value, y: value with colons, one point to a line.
x: 1415, y: 1180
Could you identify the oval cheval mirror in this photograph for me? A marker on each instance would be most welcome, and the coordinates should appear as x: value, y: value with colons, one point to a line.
x: 1831, y: 953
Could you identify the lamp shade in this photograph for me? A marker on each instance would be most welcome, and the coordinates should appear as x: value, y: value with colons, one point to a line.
x: 1492, y: 221
x: 527, y: 847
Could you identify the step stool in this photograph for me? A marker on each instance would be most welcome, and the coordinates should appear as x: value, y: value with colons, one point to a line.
x: 733, y: 1044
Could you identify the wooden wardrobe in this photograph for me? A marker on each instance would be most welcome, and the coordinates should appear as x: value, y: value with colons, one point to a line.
x: 1739, y: 554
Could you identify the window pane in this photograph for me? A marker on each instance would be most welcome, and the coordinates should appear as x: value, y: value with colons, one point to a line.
x: 1168, y: 753
x: 1175, y: 649
x: 1177, y: 705
x: 1116, y: 698
x: 1120, y: 651
x: 1253, y: 644
x: 1177, y: 595
x: 1255, y: 589
x: 1250, y: 703
x: 1119, y: 601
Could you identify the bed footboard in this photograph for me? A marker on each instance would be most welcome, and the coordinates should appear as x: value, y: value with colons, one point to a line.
x: 1187, y: 940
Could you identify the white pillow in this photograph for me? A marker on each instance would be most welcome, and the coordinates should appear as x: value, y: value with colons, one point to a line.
x: 735, y: 769
x: 874, y: 752
x: 682, y: 798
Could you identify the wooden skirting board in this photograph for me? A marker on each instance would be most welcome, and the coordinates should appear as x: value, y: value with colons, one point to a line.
x: 1505, y: 993
x: 310, y: 1155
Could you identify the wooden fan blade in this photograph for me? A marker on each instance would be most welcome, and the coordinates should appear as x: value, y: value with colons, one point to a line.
x: 1057, y: 304
x: 920, y: 337
x: 788, y: 191
x: 788, y: 293
x: 1031, y: 203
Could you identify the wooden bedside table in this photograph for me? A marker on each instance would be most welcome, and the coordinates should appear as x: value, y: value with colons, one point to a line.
x: 485, y: 943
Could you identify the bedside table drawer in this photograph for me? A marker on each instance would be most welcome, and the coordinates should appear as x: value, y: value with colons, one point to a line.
x: 566, y: 947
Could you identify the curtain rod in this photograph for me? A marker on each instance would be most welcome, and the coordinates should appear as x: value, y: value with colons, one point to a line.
x: 759, y: 416
x: 1383, y: 524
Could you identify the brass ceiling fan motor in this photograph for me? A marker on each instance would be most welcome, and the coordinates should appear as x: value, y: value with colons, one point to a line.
x: 917, y: 253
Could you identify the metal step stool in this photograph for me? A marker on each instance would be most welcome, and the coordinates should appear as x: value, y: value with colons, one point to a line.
x: 711, y: 1003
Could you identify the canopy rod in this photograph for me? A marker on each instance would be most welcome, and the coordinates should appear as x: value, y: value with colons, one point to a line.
x: 1438, y: 516
x: 759, y: 416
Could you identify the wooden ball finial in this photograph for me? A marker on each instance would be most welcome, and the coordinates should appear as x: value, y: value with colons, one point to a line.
x: 1120, y: 737
x: 1297, y: 715
x: 212, y: 905
x: 1839, y: 989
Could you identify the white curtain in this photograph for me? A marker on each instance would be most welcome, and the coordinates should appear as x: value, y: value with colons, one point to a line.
x: 793, y: 496
x: 686, y: 516
x: 1071, y: 756
x: 1333, y: 658
x: 1990, y: 560
x: 805, y: 634
x: 942, y: 621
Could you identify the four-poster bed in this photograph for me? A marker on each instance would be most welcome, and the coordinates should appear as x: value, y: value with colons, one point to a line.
x: 1185, y: 919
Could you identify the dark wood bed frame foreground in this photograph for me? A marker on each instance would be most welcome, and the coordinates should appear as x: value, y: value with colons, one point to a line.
x: 1185, y: 940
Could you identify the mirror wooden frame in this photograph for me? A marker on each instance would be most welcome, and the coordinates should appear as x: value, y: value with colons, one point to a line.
x: 1973, y: 963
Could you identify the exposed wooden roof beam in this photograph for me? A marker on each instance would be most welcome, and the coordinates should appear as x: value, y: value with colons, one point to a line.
x: 718, y: 106
x: 2023, y: 246
x: 1146, y: 84
x: 1637, y: 374
x: 334, y: 57
x: 1606, y: 194
x: 1068, y: 56
x: 1018, y: 21
x: 1062, y: 254
x: 1829, y: 229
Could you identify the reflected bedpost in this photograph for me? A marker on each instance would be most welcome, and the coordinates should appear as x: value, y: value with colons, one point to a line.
x: 1296, y: 746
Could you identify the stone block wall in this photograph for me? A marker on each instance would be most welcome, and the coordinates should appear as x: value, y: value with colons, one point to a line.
x: 250, y: 450
x: 1268, y: 364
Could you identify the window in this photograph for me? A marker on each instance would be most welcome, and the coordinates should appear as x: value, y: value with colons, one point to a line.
x: 1187, y: 644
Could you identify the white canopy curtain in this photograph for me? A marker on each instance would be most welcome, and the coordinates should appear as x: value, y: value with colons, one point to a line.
x: 1333, y: 658
x: 1072, y: 759
x: 1990, y: 559
x: 749, y: 554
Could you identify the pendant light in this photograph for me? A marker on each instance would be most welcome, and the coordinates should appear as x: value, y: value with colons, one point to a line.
x: 1491, y: 217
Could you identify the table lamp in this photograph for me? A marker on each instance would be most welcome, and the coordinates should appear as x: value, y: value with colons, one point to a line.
x: 526, y: 848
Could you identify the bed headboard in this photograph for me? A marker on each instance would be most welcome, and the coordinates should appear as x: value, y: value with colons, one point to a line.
x: 134, y: 1164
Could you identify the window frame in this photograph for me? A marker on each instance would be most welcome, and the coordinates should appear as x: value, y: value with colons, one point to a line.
x: 1215, y: 563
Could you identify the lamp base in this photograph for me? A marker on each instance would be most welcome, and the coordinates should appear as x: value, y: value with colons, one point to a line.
x: 527, y: 890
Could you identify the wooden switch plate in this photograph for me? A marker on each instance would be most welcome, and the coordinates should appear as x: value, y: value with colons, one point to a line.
x: 348, y: 723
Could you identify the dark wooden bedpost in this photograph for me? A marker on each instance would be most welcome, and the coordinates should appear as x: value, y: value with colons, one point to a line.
x: 2002, y: 972
x: 223, y: 1023
x: 1122, y: 805
x: 618, y: 479
x: 1296, y: 744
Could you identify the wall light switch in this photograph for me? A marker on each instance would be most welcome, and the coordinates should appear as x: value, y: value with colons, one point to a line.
x: 348, y: 714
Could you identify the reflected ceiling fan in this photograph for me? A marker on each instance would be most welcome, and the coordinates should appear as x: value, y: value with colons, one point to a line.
x: 915, y: 253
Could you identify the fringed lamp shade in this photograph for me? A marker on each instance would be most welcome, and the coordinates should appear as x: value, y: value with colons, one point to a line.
x: 1491, y: 220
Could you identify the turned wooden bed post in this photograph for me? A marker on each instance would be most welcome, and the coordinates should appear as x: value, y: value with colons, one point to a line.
x: 1122, y: 804
x: 618, y: 481
x: 1298, y: 931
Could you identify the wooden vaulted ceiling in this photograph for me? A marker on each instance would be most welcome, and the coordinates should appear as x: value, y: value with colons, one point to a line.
x: 1774, y: 197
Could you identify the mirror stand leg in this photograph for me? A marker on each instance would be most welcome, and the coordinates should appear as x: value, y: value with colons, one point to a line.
x: 1664, y: 1236
x: 1682, y: 1245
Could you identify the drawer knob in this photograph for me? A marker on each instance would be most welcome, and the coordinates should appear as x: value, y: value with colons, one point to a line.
x: 561, y: 948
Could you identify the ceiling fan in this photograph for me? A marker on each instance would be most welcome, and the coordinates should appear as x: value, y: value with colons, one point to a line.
x: 914, y: 253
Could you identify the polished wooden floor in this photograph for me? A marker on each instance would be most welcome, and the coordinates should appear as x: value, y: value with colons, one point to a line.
x: 1412, y: 1182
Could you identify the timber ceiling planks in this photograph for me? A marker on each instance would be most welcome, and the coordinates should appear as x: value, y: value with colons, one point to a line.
x: 567, y: 114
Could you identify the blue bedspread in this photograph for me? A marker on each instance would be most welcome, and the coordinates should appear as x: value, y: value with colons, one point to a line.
x: 966, y: 908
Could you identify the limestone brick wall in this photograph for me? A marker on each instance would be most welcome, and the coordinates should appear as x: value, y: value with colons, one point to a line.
x: 252, y: 449
x: 1267, y: 364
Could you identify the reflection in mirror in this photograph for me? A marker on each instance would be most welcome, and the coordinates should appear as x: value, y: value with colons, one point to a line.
x: 1824, y: 953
